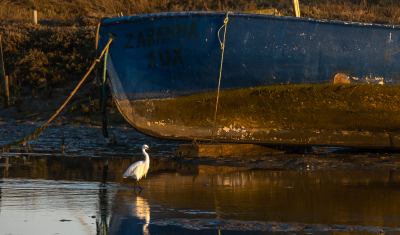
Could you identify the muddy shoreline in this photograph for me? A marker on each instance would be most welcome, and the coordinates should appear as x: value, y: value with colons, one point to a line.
x: 234, y: 225
x: 87, y: 140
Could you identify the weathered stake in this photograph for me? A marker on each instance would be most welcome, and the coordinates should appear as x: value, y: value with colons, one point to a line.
x: 3, y: 77
x: 34, y: 16
x: 63, y: 143
x: 6, y: 93
x: 113, y: 141
x: 296, y: 7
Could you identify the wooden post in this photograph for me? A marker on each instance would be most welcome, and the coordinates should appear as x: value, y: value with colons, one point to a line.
x: 63, y: 143
x: 6, y: 93
x: 3, y: 77
x: 34, y: 16
x: 296, y: 7
x: 7, y: 166
x: 2, y: 71
x: 10, y: 80
x: 113, y: 141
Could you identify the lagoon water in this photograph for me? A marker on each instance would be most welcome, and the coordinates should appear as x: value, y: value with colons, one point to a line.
x: 81, y: 195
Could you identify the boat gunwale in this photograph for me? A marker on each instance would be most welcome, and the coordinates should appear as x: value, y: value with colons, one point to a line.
x: 188, y: 14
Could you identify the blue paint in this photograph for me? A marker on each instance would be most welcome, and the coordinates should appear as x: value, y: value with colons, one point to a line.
x: 260, y: 50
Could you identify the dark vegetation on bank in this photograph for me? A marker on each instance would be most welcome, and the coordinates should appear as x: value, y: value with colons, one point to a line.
x: 47, y: 59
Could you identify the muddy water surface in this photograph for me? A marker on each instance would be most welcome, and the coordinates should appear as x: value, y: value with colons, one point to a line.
x: 84, y: 195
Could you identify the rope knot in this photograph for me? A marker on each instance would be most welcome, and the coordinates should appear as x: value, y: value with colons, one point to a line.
x: 224, y: 25
x: 226, y: 19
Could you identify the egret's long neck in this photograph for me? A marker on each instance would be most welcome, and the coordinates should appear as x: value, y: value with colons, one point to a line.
x: 147, y: 159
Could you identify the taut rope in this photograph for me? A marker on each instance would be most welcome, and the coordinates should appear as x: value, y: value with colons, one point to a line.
x: 220, y: 71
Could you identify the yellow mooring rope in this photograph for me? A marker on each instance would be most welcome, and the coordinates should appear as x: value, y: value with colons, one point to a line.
x: 220, y: 70
x: 41, y: 129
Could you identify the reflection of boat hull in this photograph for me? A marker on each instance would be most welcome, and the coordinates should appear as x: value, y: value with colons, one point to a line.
x: 164, y: 75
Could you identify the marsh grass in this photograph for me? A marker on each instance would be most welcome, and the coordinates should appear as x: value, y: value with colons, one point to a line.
x: 61, y: 47
x: 42, y: 55
x: 371, y: 11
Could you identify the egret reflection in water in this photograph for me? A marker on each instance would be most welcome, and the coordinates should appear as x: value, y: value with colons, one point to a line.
x: 130, y: 214
x: 140, y: 209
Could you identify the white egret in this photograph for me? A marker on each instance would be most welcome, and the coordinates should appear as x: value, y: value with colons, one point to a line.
x: 139, y: 169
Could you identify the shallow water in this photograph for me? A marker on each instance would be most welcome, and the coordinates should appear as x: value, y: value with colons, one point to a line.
x: 66, y: 195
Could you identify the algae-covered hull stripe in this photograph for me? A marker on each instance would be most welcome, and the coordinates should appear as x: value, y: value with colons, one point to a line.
x: 171, y: 55
x: 352, y: 115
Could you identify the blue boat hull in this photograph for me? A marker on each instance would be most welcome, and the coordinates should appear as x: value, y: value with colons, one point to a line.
x: 166, y: 56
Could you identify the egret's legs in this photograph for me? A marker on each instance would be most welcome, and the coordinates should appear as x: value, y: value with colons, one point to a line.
x: 134, y: 187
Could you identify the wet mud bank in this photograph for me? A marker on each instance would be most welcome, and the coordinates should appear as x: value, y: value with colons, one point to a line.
x: 125, y: 142
x: 81, y: 140
x: 329, y: 159
x: 234, y: 225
